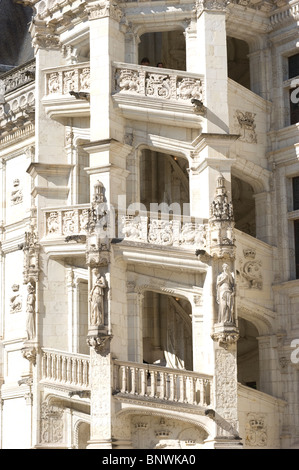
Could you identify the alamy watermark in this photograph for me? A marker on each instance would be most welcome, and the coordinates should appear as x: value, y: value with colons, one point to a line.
x: 295, y: 92
x: 295, y: 353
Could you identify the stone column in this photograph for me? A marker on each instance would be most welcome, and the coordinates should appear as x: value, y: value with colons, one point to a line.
x: 222, y: 316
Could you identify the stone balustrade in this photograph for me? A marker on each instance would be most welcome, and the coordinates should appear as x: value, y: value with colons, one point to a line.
x: 164, y: 231
x: 155, y: 82
x: 63, y: 80
x: 155, y: 382
x: 66, y: 221
x: 65, y: 368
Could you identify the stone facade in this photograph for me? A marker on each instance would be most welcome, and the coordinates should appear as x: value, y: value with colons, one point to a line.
x: 149, y: 225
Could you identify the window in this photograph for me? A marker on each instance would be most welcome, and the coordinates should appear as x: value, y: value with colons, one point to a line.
x: 296, y: 193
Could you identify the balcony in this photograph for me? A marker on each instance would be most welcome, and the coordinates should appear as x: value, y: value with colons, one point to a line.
x: 67, y: 369
x: 158, y: 95
x: 162, y: 385
x: 67, y: 91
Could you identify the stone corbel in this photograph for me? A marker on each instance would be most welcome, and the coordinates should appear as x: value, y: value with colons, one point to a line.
x: 29, y: 352
x: 225, y: 335
x: 99, y: 342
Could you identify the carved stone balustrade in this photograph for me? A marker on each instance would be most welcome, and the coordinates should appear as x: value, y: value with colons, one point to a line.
x: 164, y: 231
x: 66, y: 222
x: 162, y: 383
x: 67, y: 91
x: 158, y: 93
x: 17, y: 111
x: 17, y: 77
x: 62, y: 368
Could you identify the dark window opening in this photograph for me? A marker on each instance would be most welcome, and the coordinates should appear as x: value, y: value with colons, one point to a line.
x: 296, y: 237
x: 296, y: 193
x: 293, y: 66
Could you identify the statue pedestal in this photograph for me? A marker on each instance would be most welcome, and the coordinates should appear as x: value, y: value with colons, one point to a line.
x: 225, y: 334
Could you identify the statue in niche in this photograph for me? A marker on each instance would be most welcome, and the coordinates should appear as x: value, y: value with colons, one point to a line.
x: 225, y: 285
x: 30, y: 309
x: 96, y: 298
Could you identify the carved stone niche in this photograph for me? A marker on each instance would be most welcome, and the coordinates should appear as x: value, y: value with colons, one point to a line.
x: 225, y: 330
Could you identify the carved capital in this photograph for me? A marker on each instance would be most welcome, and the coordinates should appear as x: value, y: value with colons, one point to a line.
x: 104, y: 9
x: 210, y: 5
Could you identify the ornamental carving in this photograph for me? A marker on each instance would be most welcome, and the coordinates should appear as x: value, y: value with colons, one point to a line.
x: 134, y: 229
x: 127, y: 80
x: 250, y: 270
x: 53, y: 223
x: 158, y: 86
x: 160, y: 232
x: 221, y: 223
x: 51, y: 422
x: 53, y: 83
x: 16, y: 196
x: 104, y: 9
x: 31, y: 253
x: 15, y: 299
x: 211, y: 5
x: 245, y: 125
x: 68, y: 223
x: 189, y: 88
x: 193, y: 234
x: 256, y: 430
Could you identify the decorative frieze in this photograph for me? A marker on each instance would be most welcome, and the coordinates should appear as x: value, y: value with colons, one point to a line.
x: 62, y: 222
x: 150, y: 82
x: 62, y: 81
x: 163, y: 232
x: 18, y: 77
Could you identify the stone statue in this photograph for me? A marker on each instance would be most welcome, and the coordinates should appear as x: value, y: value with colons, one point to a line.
x: 225, y: 295
x: 30, y: 309
x: 96, y: 298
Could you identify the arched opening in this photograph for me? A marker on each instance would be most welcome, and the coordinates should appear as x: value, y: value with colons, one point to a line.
x: 167, y: 47
x: 238, y: 61
x: 163, y: 179
x: 244, y: 206
x: 248, y: 354
x: 167, y: 331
